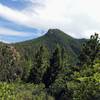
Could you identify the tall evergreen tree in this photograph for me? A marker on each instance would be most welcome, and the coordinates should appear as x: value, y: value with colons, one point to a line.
x: 90, y: 50
x: 56, y: 66
x: 40, y: 65
x: 64, y: 58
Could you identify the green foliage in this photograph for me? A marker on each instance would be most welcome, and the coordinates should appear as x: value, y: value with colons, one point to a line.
x: 86, y: 83
x: 56, y: 66
x: 41, y: 63
x: 59, y: 89
x: 90, y: 50
x: 50, y: 39
x: 19, y: 91
x: 7, y: 91
x: 9, y: 63
x: 26, y: 66
x: 54, y: 75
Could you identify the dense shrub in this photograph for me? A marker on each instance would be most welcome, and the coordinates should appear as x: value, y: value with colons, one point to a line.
x: 19, y: 91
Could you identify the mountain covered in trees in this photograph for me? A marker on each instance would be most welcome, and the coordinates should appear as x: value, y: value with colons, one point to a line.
x: 52, y: 67
x: 50, y: 40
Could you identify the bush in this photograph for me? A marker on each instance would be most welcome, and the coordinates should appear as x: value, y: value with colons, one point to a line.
x: 19, y: 91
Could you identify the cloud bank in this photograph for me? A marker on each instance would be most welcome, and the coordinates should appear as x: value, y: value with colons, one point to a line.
x: 78, y: 18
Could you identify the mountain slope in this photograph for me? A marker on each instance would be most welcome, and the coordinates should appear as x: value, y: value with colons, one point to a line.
x: 50, y: 39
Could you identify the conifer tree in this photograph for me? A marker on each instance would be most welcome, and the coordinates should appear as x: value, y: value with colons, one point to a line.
x: 56, y: 66
x: 64, y: 58
x: 40, y: 65
x: 90, y: 50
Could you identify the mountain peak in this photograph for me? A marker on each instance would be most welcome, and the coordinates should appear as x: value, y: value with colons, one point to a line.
x: 50, y: 40
x: 58, y: 34
x: 52, y: 31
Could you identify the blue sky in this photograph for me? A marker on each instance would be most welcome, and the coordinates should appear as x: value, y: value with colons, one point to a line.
x: 27, y: 19
x: 11, y: 26
x: 15, y: 4
x: 31, y: 32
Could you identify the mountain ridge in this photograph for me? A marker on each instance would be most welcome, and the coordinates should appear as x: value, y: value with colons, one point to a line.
x: 50, y: 40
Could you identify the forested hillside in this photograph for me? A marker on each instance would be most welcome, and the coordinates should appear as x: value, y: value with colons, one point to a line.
x: 50, y: 40
x: 52, y: 67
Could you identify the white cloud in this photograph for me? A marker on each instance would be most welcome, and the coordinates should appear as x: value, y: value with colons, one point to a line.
x: 13, y: 15
x: 75, y: 17
x: 1, y: 40
x: 10, y: 32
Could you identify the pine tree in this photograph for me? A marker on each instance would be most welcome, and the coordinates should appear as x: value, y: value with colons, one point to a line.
x: 40, y: 65
x: 57, y: 64
x: 90, y: 50
x: 64, y: 58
